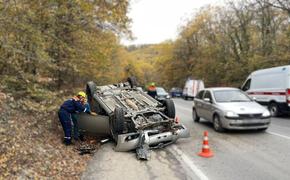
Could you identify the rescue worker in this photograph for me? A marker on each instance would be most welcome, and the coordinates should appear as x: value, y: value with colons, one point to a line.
x: 77, y: 134
x: 73, y: 105
x: 152, y: 90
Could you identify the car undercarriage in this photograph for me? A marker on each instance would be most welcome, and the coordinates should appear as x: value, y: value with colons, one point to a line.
x: 133, y: 119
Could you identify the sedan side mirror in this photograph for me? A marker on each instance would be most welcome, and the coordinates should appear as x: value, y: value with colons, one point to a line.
x: 207, y: 100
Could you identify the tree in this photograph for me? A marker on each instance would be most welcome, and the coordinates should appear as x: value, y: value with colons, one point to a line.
x: 60, y: 39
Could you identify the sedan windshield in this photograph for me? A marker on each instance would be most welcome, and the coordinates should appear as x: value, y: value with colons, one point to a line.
x: 230, y: 96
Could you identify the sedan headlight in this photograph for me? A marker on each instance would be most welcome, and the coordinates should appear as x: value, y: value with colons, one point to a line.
x: 167, y: 96
x: 266, y: 114
x: 231, y: 114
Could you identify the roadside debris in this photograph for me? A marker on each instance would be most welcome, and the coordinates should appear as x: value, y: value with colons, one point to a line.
x: 89, y: 146
x: 86, y: 149
x: 103, y: 141
x: 143, y: 149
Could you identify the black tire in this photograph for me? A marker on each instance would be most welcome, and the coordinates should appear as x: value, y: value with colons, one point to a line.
x: 94, y: 105
x: 169, y: 108
x: 90, y: 90
x: 274, y: 110
x: 195, y: 117
x: 118, y: 121
x: 132, y: 81
x: 217, y: 124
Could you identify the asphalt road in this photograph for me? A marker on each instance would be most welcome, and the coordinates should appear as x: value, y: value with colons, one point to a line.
x: 237, y: 155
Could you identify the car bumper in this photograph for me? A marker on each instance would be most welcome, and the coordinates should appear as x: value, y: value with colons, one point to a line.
x: 176, y: 95
x: 246, y: 123
x: 131, y: 141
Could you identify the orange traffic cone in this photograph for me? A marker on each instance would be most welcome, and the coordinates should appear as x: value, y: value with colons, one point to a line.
x: 205, y: 152
x: 176, y: 120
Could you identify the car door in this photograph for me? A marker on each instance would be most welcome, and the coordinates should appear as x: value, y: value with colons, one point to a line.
x: 198, y: 101
x: 207, y: 106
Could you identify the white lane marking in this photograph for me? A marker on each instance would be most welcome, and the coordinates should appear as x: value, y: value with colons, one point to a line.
x: 189, y: 163
x: 286, y: 137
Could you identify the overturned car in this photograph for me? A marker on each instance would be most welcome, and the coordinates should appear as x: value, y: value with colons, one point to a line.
x: 133, y: 119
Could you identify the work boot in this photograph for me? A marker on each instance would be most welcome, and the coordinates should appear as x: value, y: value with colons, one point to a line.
x: 67, y: 141
x: 81, y: 137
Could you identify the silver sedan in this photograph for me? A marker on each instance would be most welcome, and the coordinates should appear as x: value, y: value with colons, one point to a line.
x: 229, y: 108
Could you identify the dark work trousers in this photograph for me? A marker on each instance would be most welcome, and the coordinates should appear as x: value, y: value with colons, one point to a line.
x: 76, y: 126
x: 66, y: 122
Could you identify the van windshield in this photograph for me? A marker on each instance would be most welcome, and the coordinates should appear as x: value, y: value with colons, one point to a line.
x: 230, y: 96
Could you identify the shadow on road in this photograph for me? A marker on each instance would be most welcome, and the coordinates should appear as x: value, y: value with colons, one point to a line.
x: 253, y: 131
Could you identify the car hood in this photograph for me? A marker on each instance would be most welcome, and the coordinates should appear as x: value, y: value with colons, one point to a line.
x: 242, y: 107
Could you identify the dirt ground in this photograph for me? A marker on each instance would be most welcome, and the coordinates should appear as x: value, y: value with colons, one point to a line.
x: 31, y: 145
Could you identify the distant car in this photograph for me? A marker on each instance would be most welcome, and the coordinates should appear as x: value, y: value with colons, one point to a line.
x: 175, y: 92
x: 161, y: 94
x: 230, y: 108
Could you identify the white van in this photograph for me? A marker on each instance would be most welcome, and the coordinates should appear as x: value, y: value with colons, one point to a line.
x: 191, y: 88
x: 270, y: 87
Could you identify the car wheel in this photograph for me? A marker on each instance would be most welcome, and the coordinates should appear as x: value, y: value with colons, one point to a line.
x: 274, y: 110
x: 117, y: 122
x: 195, y: 117
x: 217, y: 124
x: 94, y: 105
x: 169, y: 108
x: 132, y: 81
x: 90, y: 90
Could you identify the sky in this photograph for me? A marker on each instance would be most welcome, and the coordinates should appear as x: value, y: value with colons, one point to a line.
x: 155, y: 21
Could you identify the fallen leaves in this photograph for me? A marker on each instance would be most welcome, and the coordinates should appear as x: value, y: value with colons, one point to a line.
x: 31, y: 146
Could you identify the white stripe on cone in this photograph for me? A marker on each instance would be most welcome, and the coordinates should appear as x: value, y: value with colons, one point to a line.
x: 205, y: 147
